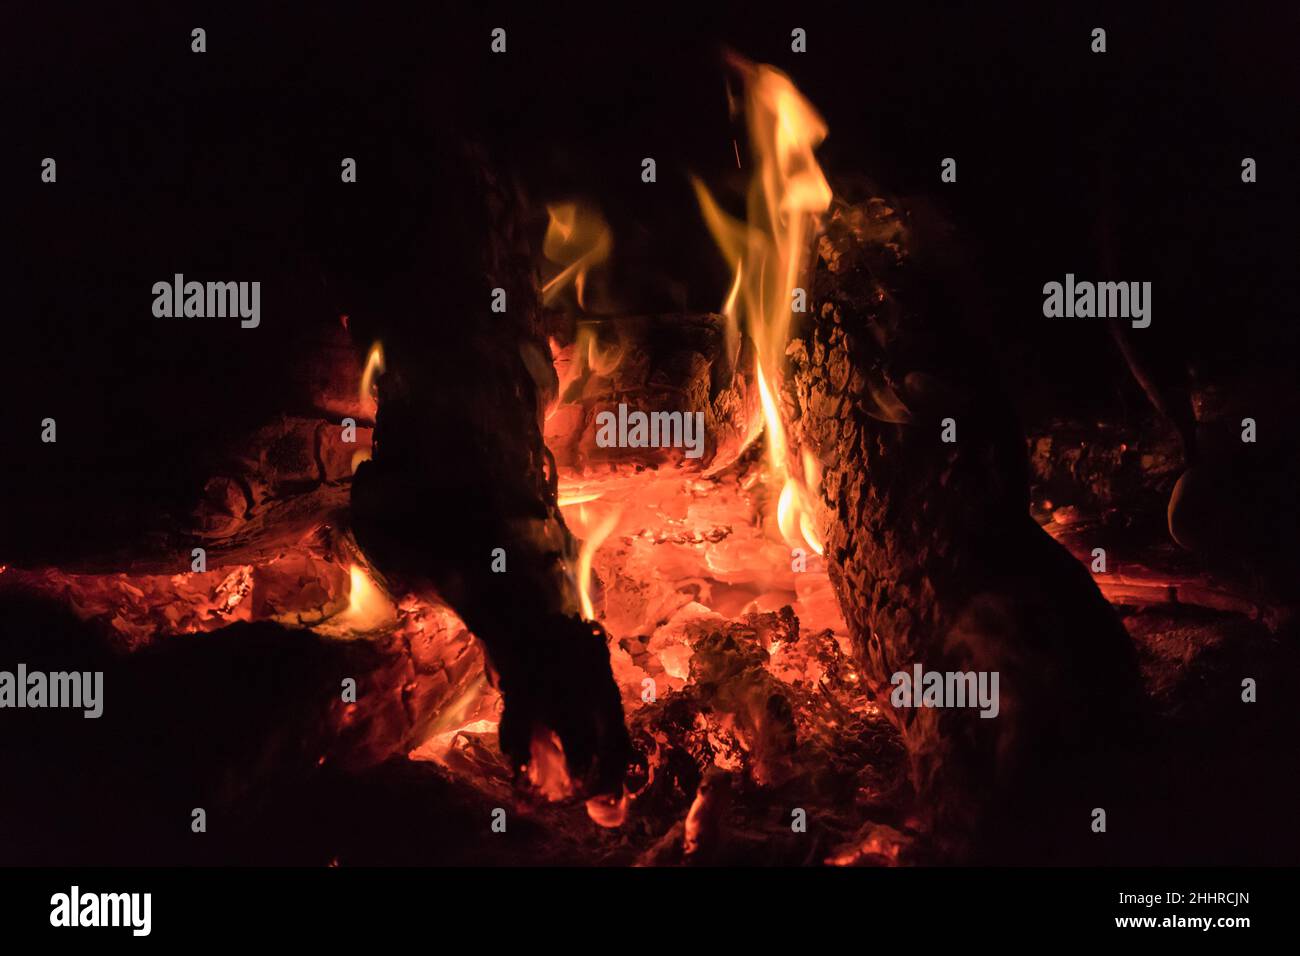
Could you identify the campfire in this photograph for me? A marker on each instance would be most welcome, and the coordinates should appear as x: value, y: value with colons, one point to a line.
x: 645, y: 581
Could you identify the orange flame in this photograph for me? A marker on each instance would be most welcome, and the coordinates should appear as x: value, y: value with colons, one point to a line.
x: 786, y: 195
x: 369, y: 396
x: 546, y: 768
x: 732, y: 328
x: 602, y: 361
x: 593, y: 532
x: 608, y: 811
x: 585, y: 357
x: 374, y: 368
x: 368, y: 607
x: 577, y: 239
x: 564, y: 500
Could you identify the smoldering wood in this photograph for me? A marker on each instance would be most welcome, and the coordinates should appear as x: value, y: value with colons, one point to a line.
x: 459, y: 466
x: 930, y: 545
x: 460, y: 470
x: 245, y: 492
x: 651, y: 363
x: 219, y: 723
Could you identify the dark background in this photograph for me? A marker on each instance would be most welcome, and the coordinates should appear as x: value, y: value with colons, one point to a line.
x: 225, y: 165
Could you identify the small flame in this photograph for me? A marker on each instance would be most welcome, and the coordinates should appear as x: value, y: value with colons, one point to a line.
x: 776, y: 449
x: 593, y: 532
x: 602, y: 361
x: 731, y: 330
x: 586, y: 357
x: 546, y: 770
x: 374, y: 368
x: 577, y: 239
x: 608, y: 811
x: 786, y: 195
x: 568, y: 501
x: 368, y: 607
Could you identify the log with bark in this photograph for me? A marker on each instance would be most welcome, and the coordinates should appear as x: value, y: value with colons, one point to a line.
x: 932, y: 550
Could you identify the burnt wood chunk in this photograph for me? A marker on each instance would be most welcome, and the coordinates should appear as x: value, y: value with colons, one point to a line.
x: 673, y: 369
x: 459, y: 470
x: 930, y: 545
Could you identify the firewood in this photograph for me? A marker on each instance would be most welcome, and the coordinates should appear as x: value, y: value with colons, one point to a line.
x: 459, y: 498
x: 929, y: 543
x: 656, y: 365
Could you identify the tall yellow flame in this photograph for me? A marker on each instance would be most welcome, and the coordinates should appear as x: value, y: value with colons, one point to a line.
x: 786, y: 195
x: 593, y: 530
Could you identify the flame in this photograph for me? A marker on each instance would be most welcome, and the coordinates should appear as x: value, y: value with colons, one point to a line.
x: 787, y: 193
x: 374, y: 368
x: 546, y: 770
x: 731, y: 331
x: 589, y: 356
x: 564, y: 501
x: 586, y: 357
x: 608, y: 811
x: 593, y: 532
x: 578, y: 239
x: 602, y: 361
x: 368, y: 606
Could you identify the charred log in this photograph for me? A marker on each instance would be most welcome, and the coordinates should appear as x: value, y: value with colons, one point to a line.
x: 251, y: 490
x: 459, y: 498
x: 662, y: 364
x: 930, y: 545
x: 215, y: 723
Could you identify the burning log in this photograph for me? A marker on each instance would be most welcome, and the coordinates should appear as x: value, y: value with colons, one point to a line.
x: 459, y: 498
x: 460, y: 469
x: 661, y: 368
x: 225, y: 723
x: 246, y: 494
x: 930, y: 544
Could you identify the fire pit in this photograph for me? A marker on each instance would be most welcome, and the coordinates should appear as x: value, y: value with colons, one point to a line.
x: 510, y: 563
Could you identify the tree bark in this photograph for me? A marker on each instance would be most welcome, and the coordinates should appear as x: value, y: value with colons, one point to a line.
x: 930, y: 545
